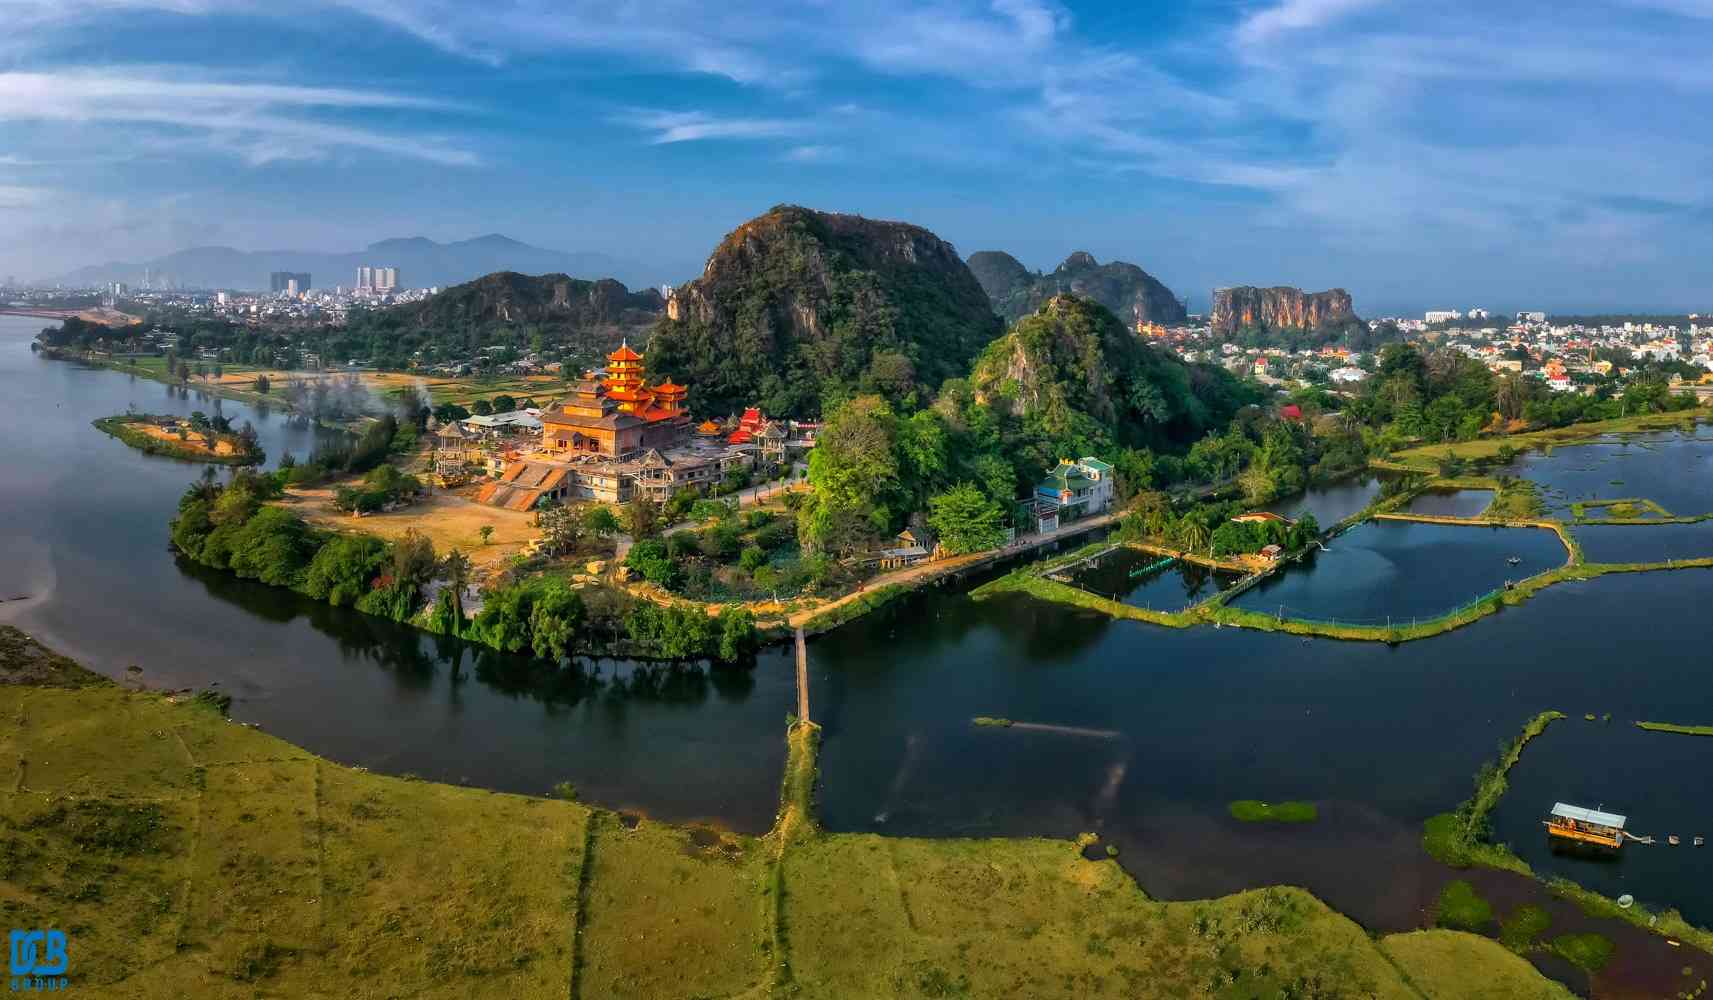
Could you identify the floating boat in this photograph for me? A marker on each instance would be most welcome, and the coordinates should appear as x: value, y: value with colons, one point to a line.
x: 1672, y: 840
x: 1568, y: 824
x: 1699, y: 841
x: 1514, y: 560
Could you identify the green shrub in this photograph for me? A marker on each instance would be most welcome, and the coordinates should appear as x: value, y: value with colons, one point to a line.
x: 1460, y: 907
x: 1588, y: 952
x: 1253, y: 811
x: 1523, y: 927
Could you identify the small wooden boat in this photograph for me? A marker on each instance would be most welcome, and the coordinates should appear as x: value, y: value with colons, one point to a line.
x: 1672, y: 840
x: 1700, y: 840
x: 1514, y: 560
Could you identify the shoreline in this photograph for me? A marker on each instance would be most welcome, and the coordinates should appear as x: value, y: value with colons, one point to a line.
x: 248, y: 396
x: 120, y: 427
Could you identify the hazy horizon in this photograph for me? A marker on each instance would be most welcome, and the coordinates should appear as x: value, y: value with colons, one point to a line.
x: 1442, y: 158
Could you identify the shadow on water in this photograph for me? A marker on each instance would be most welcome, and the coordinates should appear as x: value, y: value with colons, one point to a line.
x: 417, y: 660
x: 1148, y: 580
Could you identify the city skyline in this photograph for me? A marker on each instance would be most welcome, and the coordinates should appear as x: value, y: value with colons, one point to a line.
x: 1421, y: 159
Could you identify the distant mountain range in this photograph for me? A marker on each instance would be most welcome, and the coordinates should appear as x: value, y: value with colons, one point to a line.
x: 421, y: 263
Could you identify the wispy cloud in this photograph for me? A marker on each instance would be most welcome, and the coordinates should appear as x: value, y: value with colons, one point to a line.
x: 814, y: 154
x: 14, y: 196
x: 1265, y: 24
x: 259, y: 122
x: 693, y: 126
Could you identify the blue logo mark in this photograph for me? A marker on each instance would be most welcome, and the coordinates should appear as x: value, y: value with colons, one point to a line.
x: 37, y: 958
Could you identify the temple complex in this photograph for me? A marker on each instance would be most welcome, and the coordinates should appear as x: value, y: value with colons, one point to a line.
x: 618, y: 417
x: 617, y: 438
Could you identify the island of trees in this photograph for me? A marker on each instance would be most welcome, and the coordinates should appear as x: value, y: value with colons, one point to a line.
x: 196, y: 438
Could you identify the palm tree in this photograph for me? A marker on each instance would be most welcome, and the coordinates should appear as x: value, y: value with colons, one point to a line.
x: 1192, y: 533
x: 455, y: 570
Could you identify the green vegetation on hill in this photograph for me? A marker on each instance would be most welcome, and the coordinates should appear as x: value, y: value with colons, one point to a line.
x: 551, y: 314
x: 191, y: 856
x: 795, y: 306
x: 1069, y: 381
x: 1132, y: 294
x: 1072, y: 376
x: 490, y: 321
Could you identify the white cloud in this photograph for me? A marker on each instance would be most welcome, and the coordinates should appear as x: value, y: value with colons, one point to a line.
x: 1264, y: 25
x: 259, y: 122
x: 13, y: 196
x: 814, y: 154
x: 692, y: 126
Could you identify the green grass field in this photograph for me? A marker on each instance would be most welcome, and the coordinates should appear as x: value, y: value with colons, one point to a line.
x: 186, y: 855
x: 1452, y: 965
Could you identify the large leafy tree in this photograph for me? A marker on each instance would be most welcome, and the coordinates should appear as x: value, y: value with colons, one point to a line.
x: 855, y: 471
x: 965, y: 520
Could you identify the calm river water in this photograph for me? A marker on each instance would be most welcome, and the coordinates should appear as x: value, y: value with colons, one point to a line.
x: 84, y: 542
x: 1170, y: 725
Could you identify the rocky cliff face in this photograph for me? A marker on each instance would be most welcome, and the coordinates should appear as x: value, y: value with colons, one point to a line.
x: 795, y: 301
x: 1279, y: 308
x: 1127, y: 291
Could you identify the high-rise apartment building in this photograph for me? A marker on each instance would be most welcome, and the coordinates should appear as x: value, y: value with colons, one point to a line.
x: 377, y: 279
x: 280, y: 281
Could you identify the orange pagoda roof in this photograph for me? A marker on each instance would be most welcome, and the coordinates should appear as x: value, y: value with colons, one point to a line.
x: 739, y: 437
x: 671, y: 388
x: 624, y: 353
x: 708, y: 427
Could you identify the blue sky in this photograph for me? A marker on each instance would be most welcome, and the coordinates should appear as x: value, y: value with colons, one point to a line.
x: 1420, y: 154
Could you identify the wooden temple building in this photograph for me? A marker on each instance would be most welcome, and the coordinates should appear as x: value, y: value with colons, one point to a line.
x: 619, y: 417
x: 615, y: 439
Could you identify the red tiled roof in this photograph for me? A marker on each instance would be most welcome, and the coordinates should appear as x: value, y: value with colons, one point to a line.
x: 624, y: 353
x: 739, y: 437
